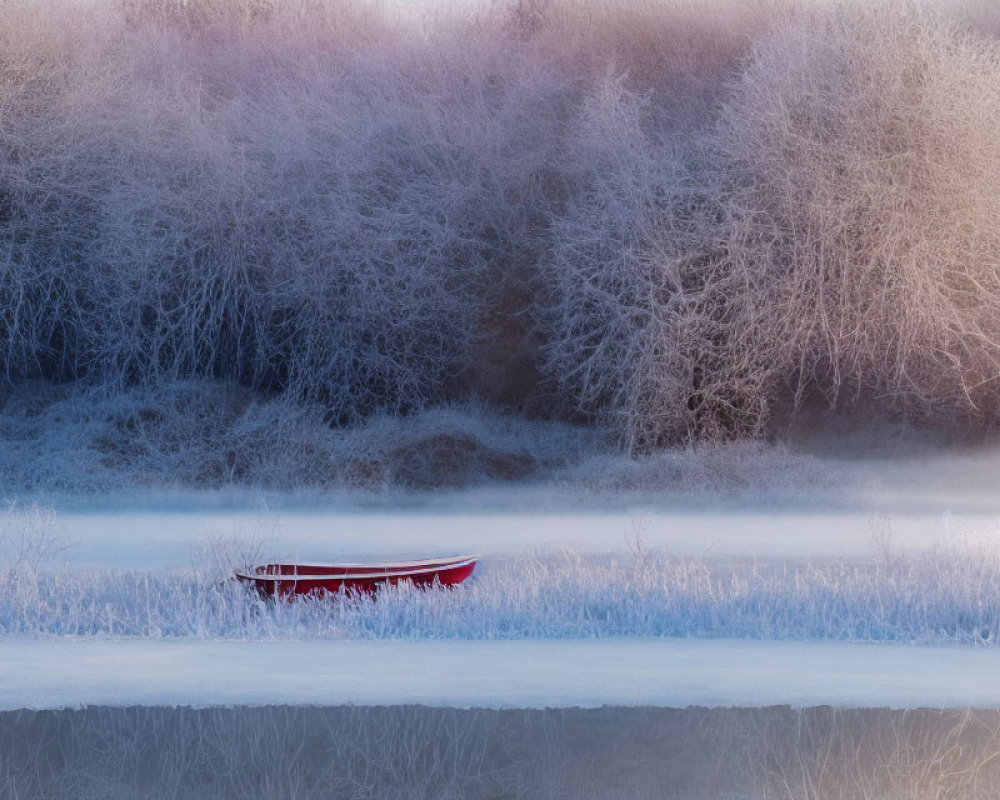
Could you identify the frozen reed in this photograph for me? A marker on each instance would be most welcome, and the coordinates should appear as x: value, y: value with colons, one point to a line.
x: 944, y: 595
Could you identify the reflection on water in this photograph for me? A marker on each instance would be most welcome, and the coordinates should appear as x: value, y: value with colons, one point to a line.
x: 419, y: 752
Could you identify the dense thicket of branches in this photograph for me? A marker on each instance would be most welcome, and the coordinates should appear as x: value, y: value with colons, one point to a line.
x: 666, y: 219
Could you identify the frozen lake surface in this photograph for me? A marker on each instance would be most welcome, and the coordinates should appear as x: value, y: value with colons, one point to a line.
x: 675, y: 673
x: 148, y: 539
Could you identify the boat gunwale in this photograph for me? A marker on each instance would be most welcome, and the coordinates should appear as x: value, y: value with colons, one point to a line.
x: 431, y: 568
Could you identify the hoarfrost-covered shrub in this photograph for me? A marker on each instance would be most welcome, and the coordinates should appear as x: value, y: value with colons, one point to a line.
x: 674, y: 221
x: 334, y: 208
x: 863, y: 259
x: 624, y: 342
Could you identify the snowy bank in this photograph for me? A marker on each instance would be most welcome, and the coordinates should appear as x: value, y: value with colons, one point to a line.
x: 52, y: 674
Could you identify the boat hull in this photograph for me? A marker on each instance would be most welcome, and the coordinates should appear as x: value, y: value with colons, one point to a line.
x: 291, y: 579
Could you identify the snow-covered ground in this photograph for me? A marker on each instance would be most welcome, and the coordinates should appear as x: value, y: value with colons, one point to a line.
x: 530, y: 674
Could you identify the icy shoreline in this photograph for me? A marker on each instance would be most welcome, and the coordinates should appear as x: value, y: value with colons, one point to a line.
x: 671, y: 673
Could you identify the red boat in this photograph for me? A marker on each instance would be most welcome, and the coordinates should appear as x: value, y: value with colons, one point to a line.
x: 289, y: 579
